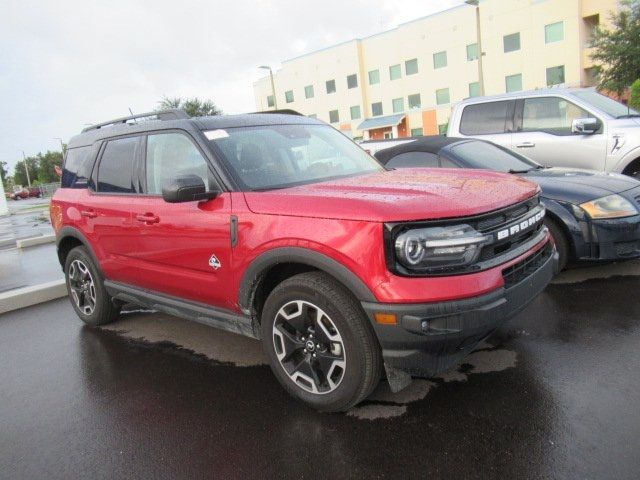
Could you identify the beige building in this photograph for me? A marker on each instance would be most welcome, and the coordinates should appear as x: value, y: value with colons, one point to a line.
x: 403, y: 81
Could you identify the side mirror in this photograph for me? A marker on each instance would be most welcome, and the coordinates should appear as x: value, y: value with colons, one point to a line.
x: 585, y: 126
x: 186, y: 188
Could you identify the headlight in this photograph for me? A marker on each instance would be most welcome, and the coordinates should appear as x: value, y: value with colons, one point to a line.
x: 439, y: 247
x: 611, y: 206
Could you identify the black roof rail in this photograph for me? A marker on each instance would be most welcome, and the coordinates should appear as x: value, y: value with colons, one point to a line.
x: 172, y: 114
x: 284, y: 111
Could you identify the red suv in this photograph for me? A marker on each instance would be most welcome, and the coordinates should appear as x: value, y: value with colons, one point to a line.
x: 279, y: 227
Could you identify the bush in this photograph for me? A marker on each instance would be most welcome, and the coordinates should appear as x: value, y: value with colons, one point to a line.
x: 634, y: 98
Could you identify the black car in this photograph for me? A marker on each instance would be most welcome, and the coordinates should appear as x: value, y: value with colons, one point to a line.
x: 592, y: 216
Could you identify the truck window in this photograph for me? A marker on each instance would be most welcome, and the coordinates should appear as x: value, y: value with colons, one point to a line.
x: 485, y: 118
x: 116, y: 165
x: 77, y: 167
x: 550, y: 114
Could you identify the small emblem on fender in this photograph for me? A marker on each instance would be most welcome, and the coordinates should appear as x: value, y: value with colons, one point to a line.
x: 214, y: 262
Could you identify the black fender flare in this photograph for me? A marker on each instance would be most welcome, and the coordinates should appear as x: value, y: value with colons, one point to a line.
x: 261, y: 264
x: 66, y: 232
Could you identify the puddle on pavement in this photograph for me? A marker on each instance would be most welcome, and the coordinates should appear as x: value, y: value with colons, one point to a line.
x: 219, y: 346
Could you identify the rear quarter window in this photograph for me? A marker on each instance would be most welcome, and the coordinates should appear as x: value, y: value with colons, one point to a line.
x: 414, y: 159
x: 77, y: 167
x: 485, y: 118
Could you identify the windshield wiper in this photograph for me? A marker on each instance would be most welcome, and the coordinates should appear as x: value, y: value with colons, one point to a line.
x: 629, y: 115
x: 519, y: 171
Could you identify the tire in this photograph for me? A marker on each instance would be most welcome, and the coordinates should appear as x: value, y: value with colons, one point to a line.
x: 86, y: 289
x: 320, y: 345
x: 562, y: 243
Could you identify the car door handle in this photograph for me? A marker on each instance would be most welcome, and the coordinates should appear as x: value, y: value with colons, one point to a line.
x: 88, y: 213
x: 525, y: 145
x: 148, y: 218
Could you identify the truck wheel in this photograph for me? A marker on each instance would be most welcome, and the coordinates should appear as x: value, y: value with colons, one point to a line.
x: 562, y: 243
x: 88, y: 296
x: 319, y: 342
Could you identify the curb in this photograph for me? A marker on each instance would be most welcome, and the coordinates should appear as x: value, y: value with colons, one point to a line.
x: 32, y: 295
x: 33, y: 241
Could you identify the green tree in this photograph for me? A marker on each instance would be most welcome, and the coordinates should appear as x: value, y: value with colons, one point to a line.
x: 617, y: 51
x: 634, y: 98
x: 46, y: 166
x: 194, y: 107
x: 19, y: 172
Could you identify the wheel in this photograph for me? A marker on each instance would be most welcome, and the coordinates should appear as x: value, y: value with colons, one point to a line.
x: 562, y: 243
x: 320, y: 345
x: 88, y: 296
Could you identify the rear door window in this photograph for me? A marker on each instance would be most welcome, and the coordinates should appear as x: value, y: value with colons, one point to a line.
x: 487, y: 118
x: 116, y: 166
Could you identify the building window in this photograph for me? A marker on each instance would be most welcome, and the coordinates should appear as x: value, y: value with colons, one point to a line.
x: 398, y: 105
x: 554, y: 32
x: 355, y: 112
x: 513, y: 83
x: 555, y: 75
x: 308, y: 91
x: 474, y: 89
x: 511, y: 42
x: 411, y: 66
x: 442, y: 96
x: 472, y: 52
x: 416, y: 132
x: 442, y: 128
x: 331, y: 86
x: 395, y: 72
x: 376, y: 109
x: 414, y: 101
x: 352, y: 81
x: 288, y: 96
x: 374, y: 77
x: 270, y: 101
x: 333, y: 116
x: 440, y: 60
x: 313, y: 115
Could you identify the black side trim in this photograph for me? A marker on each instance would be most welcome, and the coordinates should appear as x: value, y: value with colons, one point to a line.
x: 255, y: 273
x: 199, y: 312
x: 66, y: 232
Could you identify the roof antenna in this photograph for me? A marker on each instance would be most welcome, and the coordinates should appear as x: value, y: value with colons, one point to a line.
x: 131, y: 112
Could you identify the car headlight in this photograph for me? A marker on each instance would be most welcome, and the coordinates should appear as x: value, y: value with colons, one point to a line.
x: 611, y: 206
x: 439, y: 247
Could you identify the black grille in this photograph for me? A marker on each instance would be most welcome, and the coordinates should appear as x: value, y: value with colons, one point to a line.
x: 519, y: 271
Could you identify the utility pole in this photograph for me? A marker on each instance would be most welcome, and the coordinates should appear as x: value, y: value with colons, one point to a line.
x: 273, y: 85
x: 26, y: 168
x: 476, y: 3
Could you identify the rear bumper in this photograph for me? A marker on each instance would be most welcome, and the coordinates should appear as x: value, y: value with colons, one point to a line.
x: 431, y: 338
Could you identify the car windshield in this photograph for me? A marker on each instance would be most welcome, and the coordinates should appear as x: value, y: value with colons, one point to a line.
x: 277, y: 156
x: 476, y: 154
x: 606, y: 104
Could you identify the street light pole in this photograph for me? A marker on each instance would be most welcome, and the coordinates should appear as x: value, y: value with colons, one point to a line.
x: 26, y: 168
x: 476, y: 3
x: 273, y: 85
x: 61, y: 145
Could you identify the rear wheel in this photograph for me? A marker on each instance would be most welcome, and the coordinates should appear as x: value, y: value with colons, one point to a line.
x: 319, y: 342
x: 561, y: 241
x: 88, y: 296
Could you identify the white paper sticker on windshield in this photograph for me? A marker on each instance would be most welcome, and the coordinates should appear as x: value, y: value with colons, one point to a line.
x: 216, y: 134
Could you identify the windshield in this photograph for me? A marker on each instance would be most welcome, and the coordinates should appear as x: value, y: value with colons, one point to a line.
x: 485, y: 155
x: 278, y: 156
x: 604, y: 103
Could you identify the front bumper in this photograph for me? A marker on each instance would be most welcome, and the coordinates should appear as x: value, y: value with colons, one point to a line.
x: 615, y: 239
x: 431, y: 338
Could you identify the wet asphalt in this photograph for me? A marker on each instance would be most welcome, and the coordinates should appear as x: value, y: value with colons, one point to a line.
x: 555, y: 394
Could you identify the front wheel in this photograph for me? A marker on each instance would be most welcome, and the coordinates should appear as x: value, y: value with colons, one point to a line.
x: 319, y: 342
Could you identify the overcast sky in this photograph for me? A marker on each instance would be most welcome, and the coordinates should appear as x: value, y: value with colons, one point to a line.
x: 67, y: 63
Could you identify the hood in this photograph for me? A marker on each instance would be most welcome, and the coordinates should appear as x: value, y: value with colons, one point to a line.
x: 577, y: 186
x: 397, y: 195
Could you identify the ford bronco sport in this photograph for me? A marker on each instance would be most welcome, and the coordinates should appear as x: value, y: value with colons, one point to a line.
x: 279, y: 227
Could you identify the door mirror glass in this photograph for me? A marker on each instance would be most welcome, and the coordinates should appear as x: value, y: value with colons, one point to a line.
x: 585, y: 126
x: 186, y: 188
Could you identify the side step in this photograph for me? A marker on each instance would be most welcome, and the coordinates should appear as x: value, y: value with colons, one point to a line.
x: 199, y: 312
